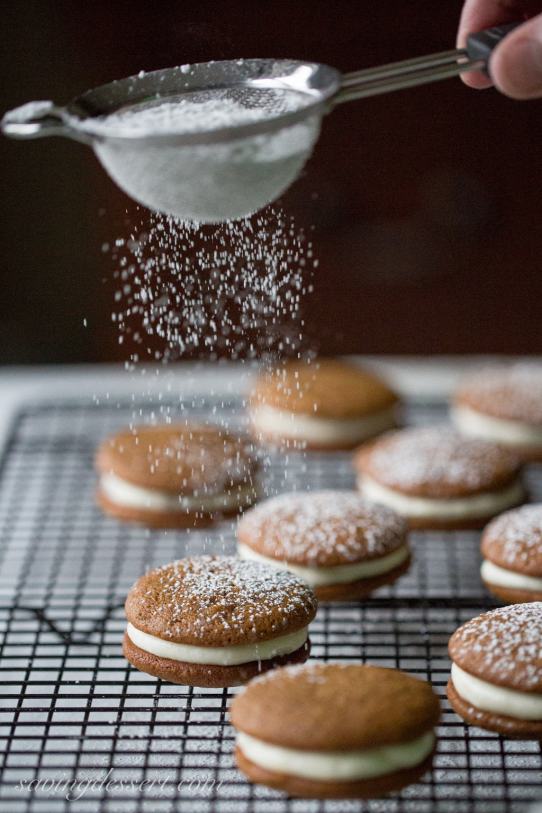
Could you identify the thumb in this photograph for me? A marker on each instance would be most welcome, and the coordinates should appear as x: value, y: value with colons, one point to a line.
x: 516, y: 63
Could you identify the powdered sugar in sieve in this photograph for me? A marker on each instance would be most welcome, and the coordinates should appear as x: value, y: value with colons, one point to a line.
x: 207, y: 182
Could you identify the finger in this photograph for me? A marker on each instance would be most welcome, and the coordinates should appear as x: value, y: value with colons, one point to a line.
x: 516, y: 63
x: 480, y: 14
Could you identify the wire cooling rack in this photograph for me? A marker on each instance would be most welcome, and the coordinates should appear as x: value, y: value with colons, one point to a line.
x: 82, y: 731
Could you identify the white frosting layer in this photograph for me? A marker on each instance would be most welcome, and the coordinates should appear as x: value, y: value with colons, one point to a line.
x: 340, y: 574
x: 493, y: 574
x: 149, y: 499
x: 489, y: 697
x: 337, y: 766
x: 218, y: 655
x: 500, y: 430
x: 457, y: 508
x: 309, y: 428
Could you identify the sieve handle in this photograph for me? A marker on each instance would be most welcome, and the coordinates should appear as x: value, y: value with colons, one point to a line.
x: 39, y: 119
x: 481, y: 45
x: 425, y: 69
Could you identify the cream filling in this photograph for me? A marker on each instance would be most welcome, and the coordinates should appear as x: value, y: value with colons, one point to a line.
x: 339, y: 574
x: 129, y: 495
x: 218, y: 655
x: 501, y: 430
x: 502, y: 577
x: 271, y: 421
x: 489, y: 697
x: 477, y: 506
x: 337, y: 766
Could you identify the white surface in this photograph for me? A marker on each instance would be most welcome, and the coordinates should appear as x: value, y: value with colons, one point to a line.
x: 340, y: 574
x: 493, y: 574
x: 218, y: 655
x: 489, y: 697
x: 337, y: 766
x: 479, y: 505
x: 325, y: 431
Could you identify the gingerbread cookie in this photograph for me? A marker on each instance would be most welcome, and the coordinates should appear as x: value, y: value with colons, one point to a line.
x: 438, y: 479
x: 216, y: 621
x: 335, y: 730
x: 325, y: 404
x: 496, y: 678
x: 175, y: 476
x: 338, y: 543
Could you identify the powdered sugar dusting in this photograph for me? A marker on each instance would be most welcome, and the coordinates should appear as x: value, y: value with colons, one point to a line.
x: 312, y: 672
x: 437, y: 459
x: 516, y: 538
x: 322, y: 528
x: 215, y: 600
x: 513, y: 392
x: 185, y: 459
x: 503, y: 646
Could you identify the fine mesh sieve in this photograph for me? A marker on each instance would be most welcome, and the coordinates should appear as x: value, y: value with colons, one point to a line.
x: 217, y: 141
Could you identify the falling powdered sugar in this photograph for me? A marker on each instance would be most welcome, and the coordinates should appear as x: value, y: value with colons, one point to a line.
x: 189, y: 291
x: 233, y: 290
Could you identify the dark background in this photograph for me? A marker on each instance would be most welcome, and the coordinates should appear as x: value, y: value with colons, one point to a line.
x: 426, y: 203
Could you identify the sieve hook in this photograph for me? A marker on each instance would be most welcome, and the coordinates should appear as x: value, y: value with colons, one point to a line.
x: 37, y: 120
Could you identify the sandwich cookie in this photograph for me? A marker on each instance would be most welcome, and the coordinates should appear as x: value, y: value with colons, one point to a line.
x: 326, y: 730
x: 175, y: 476
x: 216, y: 621
x: 503, y: 404
x: 342, y: 546
x: 326, y: 404
x: 512, y: 552
x: 496, y: 679
x: 438, y: 479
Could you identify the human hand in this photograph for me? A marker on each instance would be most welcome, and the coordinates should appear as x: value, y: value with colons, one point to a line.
x: 516, y: 62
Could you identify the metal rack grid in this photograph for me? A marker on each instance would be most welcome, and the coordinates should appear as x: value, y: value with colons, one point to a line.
x: 81, y: 731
